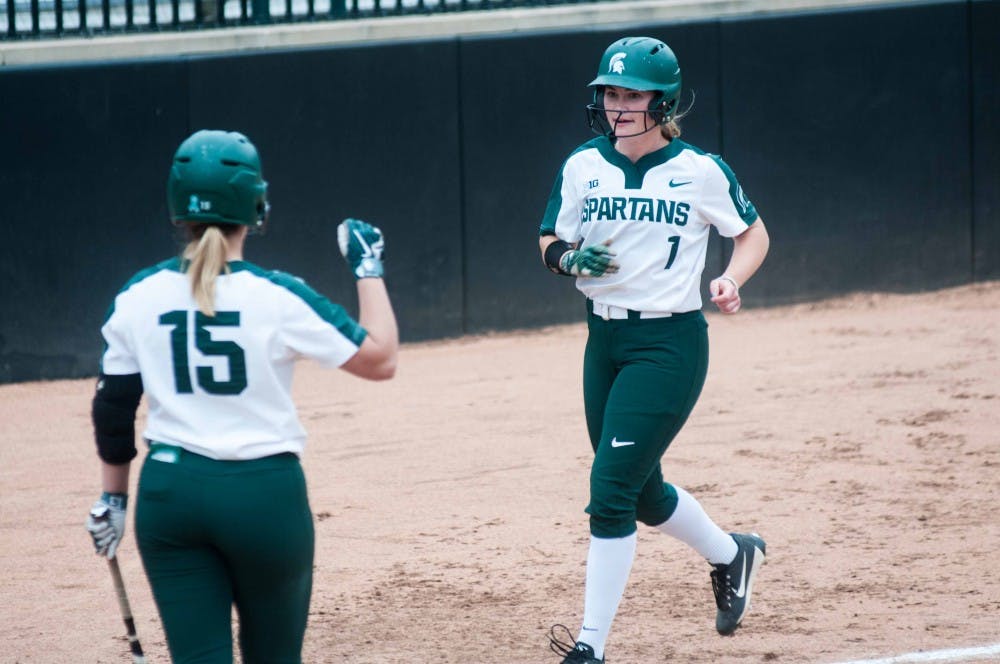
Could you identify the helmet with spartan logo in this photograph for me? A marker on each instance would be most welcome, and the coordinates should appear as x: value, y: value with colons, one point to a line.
x: 639, y: 63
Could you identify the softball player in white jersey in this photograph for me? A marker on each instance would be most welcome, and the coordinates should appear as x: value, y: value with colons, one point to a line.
x: 222, y: 516
x: 629, y: 217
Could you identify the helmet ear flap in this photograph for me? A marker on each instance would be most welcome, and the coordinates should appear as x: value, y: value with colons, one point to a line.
x: 247, y: 180
x: 596, y: 119
x: 263, y: 215
x: 662, y: 110
x: 599, y: 96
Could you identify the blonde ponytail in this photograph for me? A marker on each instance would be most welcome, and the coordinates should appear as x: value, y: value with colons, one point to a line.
x: 670, y: 130
x: 206, y: 258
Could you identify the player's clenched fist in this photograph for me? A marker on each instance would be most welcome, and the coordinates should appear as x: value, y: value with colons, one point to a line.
x: 726, y: 294
x: 362, y: 245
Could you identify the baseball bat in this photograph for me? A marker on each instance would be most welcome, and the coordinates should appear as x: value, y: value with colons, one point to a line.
x: 133, y: 638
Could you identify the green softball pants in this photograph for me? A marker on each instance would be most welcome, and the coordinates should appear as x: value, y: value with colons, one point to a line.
x: 641, y: 379
x: 212, y: 534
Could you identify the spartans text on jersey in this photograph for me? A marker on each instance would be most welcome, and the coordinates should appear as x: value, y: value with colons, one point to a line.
x: 628, y: 208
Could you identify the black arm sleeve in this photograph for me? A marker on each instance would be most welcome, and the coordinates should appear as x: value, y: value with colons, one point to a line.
x: 554, y: 252
x: 113, y: 412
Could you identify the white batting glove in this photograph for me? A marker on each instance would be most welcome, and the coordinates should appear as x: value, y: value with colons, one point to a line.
x: 106, y: 523
x: 362, y: 245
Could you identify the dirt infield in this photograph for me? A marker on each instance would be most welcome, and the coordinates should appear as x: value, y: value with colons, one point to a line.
x: 857, y: 435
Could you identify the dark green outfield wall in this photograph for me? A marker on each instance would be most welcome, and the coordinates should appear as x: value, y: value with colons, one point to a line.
x: 869, y: 141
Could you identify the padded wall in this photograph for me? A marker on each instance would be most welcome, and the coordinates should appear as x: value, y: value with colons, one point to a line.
x: 366, y: 132
x: 985, y: 22
x: 852, y: 129
x: 82, y: 174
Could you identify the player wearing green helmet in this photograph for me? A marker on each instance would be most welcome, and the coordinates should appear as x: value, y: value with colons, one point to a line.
x: 629, y: 217
x: 637, y: 63
x: 216, y: 178
x: 222, y: 516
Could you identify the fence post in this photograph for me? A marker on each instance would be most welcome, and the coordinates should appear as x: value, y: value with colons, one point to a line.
x: 261, y: 11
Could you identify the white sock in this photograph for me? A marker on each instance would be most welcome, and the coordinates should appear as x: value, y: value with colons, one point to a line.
x: 690, y: 524
x: 609, y: 562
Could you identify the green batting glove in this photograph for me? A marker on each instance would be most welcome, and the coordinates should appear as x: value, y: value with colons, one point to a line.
x: 362, y: 245
x: 597, y: 260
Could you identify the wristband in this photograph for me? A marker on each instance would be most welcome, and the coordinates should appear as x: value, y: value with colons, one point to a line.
x: 116, y: 500
x: 730, y: 280
x: 553, y: 256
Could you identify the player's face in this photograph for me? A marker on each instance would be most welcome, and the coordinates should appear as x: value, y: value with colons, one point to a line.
x: 627, y: 110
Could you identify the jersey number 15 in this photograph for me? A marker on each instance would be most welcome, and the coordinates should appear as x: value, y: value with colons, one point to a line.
x: 203, y: 341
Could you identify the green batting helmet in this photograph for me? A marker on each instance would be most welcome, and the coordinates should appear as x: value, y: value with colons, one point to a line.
x: 641, y: 63
x: 216, y: 179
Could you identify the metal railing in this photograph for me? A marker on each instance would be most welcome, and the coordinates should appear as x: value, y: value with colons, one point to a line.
x: 43, y: 19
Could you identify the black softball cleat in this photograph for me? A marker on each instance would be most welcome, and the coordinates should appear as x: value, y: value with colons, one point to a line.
x: 733, y: 583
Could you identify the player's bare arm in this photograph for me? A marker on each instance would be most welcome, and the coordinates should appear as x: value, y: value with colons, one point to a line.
x: 362, y: 245
x: 544, y: 242
x: 749, y: 249
x: 376, y: 359
x: 114, y: 477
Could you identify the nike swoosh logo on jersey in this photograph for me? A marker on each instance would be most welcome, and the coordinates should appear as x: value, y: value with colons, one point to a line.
x: 621, y: 443
x: 679, y: 184
x: 742, y: 590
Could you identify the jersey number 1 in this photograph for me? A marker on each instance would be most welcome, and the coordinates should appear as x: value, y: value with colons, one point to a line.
x: 674, y: 242
x: 203, y: 341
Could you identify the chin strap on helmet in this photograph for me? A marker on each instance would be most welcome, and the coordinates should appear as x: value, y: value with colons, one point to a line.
x: 597, y: 120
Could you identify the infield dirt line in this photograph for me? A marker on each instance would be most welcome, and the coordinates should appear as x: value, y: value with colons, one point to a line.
x: 949, y: 655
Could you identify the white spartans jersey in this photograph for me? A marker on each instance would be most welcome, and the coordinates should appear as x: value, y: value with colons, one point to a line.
x: 657, y: 213
x: 220, y: 386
